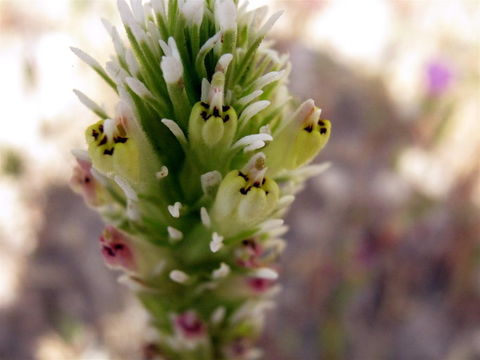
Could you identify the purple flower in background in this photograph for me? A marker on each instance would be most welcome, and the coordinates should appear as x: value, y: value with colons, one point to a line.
x: 439, y: 77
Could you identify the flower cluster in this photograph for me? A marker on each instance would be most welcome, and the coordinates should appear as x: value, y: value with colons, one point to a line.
x: 195, y: 168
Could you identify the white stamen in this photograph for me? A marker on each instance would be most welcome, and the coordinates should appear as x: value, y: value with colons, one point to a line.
x: 162, y: 173
x: 179, y: 276
x: 137, y: 9
x: 125, y: 13
x: 276, y: 245
x: 116, y: 72
x: 285, y: 200
x: 226, y: 14
x: 205, y: 90
x: 127, y: 189
x: 265, y: 129
x: 174, y: 234
x: 175, y: 129
x: 271, y: 224
x: 254, y: 146
x: 154, y: 34
x: 268, y: 79
x: 221, y: 272
x: 270, y: 22
x: 102, y: 179
x: 223, y: 62
x: 303, y: 111
x: 117, y: 42
x: 131, y: 283
x: 192, y: 10
x: 312, y: 170
x: 86, y: 58
x: 278, y: 231
x: 253, y: 109
x: 89, y: 103
x: 218, y: 315
x: 109, y: 128
x: 217, y: 242
x: 248, y: 98
x: 159, y: 6
x: 165, y: 48
x: 81, y: 155
x: 251, y: 139
x: 138, y: 32
x: 172, y: 69
x: 138, y: 87
x: 174, y: 209
x: 209, y: 180
x: 255, y: 168
x: 124, y: 113
x: 205, y: 217
x: 158, y: 269
x: 132, y: 210
x: 266, y: 273
x: 171, y: 63
x: 132, y: 62
x: 209, y: 44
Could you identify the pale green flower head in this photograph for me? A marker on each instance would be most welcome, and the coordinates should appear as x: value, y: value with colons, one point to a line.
x: 195, y: 166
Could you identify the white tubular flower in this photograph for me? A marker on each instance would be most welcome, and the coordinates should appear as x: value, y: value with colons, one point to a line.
x: 226, y: 14
x: 138, y: 87
x: 92, y: 105
x: 193, y: 10
x: 159, y: 7
x: 171, y: 64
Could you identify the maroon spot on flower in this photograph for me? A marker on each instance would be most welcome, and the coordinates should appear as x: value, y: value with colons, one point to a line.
x: 190, y: 325
x: 248, y: 254
x: 116, y: 249
x: 259, y: 285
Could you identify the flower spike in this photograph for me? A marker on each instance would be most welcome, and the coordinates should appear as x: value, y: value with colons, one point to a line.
x: 196, y: 167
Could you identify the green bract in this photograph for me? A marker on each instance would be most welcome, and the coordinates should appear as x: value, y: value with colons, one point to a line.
x: 196, y: 167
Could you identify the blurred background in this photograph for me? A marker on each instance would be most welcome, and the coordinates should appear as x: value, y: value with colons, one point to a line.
x: 383, y: 259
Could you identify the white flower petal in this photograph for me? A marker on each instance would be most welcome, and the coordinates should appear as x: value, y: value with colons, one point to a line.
x: 253, y: 109
x: 86, y: 58
x: 179, y: 276
x: 221, y: 272
x: 138, y: 87
x: 174, y: 234
x: 217, y: 242
x: 175, y: 129
x: 205, y: 217
x: 92, y: 105
x: 174, y: 209
x: 162, y: 173
x: 265, y: 273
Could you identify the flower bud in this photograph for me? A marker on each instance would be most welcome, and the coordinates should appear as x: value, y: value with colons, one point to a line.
x: 300, y: 140
x: 189, y: 325
x: 244, y: 198
x: 213, y: 124
x: 85, y: 184
x: 117, y: 147
x: 117, y: 250
x: 247, y: 254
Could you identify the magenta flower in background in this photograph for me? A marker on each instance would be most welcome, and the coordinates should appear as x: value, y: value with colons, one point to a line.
x: 439, y: 77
